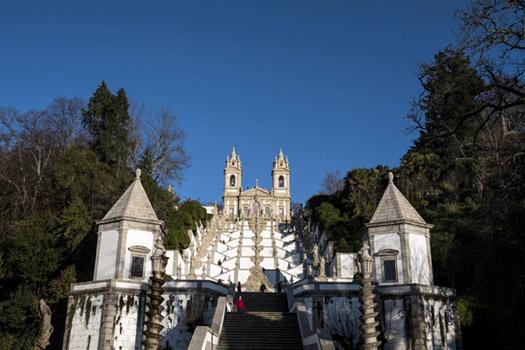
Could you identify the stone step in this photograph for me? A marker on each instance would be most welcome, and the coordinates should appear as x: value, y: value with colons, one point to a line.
x: 261, y: 330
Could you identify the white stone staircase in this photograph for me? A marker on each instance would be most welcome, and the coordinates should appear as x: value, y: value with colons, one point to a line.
x: 235, y: 247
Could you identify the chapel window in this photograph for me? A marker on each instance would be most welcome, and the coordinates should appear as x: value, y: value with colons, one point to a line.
x: 137, y: 266
x: 281, y: 181
x: 389, y: 270
x: 232, y: 181
x: 267, y: 211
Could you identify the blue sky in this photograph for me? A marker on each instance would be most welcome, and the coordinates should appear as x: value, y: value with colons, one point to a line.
x: 329, y: 81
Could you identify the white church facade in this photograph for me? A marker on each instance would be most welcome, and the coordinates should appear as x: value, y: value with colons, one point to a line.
x: 251, y: 248
x: 257, y: 201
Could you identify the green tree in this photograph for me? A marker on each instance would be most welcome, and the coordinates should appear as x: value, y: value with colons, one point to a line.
x: 108, y: 121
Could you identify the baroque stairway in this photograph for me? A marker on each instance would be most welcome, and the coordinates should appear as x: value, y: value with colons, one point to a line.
x: 234, y: 252
x: 266, y: 324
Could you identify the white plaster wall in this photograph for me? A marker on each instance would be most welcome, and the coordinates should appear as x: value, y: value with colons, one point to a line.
x: 214, y: 270
x: 231, y: 253
x: 229, y: 263
x: 171, y: 268
x: 128, y: 330
x: 266, y: 234
x: 268, y: 263
x: 140, y: 238
x: 419, y: 261
x: 247, y: 242
x: 283, y: 264
x: 281, y: 253
x: 387, y: 241
x: 107, y: 255
x: 247, y: 251
x: 289, y: 247
x: 267, y: 252
x: 341, y: 316
x: 243, y: 275
x: 441, y: 332
x: 267, y: 242
x: 246, y: 263
x: 393, y: 322
x: 345, y: 265
x: 85, y: 329
x: 288, y: 238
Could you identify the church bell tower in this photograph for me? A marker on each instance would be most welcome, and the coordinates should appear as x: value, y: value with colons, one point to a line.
x: 232, y: 184
x: 281, y: 187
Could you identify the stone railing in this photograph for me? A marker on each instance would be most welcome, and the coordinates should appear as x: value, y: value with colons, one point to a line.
x: 309, y: 336
x: 206, y: 337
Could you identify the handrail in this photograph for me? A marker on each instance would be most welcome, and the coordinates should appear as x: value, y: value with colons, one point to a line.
x: 205, y: 336
x: 309, y: 335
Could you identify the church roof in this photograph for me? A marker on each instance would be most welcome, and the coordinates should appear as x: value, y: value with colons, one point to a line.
x: 393, y: 206
x: 256, y: 190
x: 134, y: 203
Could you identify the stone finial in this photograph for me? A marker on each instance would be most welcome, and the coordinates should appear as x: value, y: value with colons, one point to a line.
x: 137, y: 174
x: 390, y: 177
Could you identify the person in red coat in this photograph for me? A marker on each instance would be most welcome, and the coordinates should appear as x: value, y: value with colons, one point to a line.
x: 239, y: 304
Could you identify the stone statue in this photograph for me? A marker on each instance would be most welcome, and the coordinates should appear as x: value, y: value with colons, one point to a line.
x: 322, y: 268
x: 315, y: 253
x: 46, y: 329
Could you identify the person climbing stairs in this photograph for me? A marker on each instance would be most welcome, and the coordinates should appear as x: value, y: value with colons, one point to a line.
x: 265, y: 324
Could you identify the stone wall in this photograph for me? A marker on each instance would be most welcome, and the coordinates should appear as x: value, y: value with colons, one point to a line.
x: 83, y: 321
x: 112, y: 318
x: 410, y: 316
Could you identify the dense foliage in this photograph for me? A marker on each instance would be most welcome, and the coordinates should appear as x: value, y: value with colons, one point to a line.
x: 61, y: 169
x: 465, y: 173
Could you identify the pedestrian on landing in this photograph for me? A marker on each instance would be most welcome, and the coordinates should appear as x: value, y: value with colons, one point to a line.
x: 239, y: 287
x: 279, y: 287
x: 262, y: 289
x: 239, y: 304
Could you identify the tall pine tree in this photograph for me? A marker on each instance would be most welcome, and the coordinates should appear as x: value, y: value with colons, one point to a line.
x: 107, y: 120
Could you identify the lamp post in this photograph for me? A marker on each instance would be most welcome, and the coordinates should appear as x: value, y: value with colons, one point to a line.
x: 154, y: 325
x: 369, y: 324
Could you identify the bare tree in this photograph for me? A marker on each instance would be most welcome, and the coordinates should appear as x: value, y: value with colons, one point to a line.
x: 28, y: 143
x: 66, y: 118
x: 162, y: 141
x: 332, y: 182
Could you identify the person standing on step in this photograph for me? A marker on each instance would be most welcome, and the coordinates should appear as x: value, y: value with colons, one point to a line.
x: 279, y: 287
x: 239, y: 304
x: 262, y: 288
x: 239, y: 287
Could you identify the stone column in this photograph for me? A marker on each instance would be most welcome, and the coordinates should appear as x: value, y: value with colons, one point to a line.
x: 369, y: 323
x: 417, y: 321
x: 154, y: 324
x: 109, y: 314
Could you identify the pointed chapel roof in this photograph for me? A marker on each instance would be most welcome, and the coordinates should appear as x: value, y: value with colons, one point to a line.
x: 393, y: 206
x: 134, y: 203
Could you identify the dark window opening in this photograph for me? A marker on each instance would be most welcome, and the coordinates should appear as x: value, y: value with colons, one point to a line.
x: 232, y: 181
x: 137, y: 266
x: 281, y: 181
x: 390, y: 270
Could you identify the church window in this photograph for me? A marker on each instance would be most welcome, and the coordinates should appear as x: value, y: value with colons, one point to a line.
x: 232, y: 181
x: 267, y: 211
x: 281, y: 181
x: 232, y: 212
x: 389, y: 270
x: 281, y: 212
x: 137, y: 266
